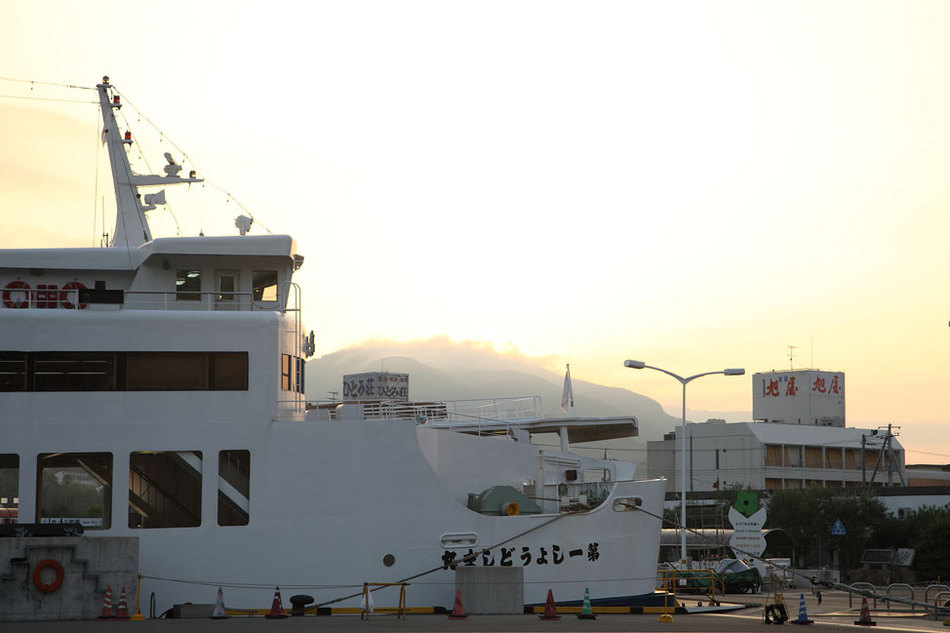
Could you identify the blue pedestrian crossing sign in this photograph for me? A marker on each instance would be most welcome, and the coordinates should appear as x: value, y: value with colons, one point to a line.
x: 838, y: 528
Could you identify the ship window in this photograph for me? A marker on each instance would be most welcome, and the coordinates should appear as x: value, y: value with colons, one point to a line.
x: 188, y: 285
x: 627, y: 504
x: 291, y: 373
x: 73, y: 371
x: 286, y: 371
x: 123, y: 371
x: 9, y: 488
x: 453, y: 540
x: 12, y: 371
x: 229, y: 370
x: 264, y: 285
x: 75, y: 488
x: 234, y: 488
x: 166, y: 371
x: 165, y: 489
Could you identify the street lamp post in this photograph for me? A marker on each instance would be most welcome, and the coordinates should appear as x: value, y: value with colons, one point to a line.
x: 638, y: 364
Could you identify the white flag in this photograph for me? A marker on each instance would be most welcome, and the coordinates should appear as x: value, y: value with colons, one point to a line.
x: 567, y: 396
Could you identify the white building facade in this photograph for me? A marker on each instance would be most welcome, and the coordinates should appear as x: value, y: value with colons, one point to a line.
x: 772, y: 456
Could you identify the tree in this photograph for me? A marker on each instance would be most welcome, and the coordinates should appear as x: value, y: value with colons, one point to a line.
x: 929, y: 539
x: 808, y: 516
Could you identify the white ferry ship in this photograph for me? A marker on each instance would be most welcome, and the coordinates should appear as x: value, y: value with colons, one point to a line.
x: 164, y: 378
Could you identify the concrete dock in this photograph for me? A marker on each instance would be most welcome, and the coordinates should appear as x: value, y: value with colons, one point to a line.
x: 833, y: 614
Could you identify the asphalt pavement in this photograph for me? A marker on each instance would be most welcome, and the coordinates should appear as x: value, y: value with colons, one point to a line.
x: 833, y: 614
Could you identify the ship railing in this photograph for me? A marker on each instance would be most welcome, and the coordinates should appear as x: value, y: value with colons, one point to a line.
x: 488, y: 412
x: 71, y: 299
x: 496, y: 409
x: 199, y: 300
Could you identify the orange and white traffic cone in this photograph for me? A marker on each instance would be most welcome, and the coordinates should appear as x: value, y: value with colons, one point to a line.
x: 865, y: 615
x: 550, y: 611
x: 122, y: 612
x: 458, y: 613
x: 107, y: 612
x: 277, y: 607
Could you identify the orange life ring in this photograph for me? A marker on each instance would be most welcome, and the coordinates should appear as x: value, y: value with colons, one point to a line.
x: 64, y: 294
x: 13, y: 286
x: 38, y: 575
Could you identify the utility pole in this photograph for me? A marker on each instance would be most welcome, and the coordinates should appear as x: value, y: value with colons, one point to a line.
x: 887, y: 456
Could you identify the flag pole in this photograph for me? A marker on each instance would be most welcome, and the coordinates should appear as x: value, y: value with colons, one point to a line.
x: 567, y: 395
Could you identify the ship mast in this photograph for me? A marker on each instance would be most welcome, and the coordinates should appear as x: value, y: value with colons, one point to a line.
x: 131, y: 225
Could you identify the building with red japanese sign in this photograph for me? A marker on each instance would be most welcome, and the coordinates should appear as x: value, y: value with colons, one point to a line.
x: 798, y: 439
x: 805, y: 396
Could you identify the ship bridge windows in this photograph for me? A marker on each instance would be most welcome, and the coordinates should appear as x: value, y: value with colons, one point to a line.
x: 74, y: 488
x: 187, y: 285
x: 227, y: 285
x: 264, y: 285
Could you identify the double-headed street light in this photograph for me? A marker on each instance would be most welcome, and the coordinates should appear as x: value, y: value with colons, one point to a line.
x: 639, y: 364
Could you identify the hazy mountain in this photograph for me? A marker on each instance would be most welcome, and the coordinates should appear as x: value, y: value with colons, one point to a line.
x: 441, y: 370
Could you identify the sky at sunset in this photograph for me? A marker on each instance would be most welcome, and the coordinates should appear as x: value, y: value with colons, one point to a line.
x: 697, y: 185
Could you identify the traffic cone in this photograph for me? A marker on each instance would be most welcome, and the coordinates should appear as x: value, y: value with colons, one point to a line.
x: 122, y: 612
x: 107, y: 612
x: 219, y: 613
x: 458, y: 613
x: 550, y: 612
x: 277, y: 607
x: 586, y: 613
x: 865, y: 615
x: 802, y: 613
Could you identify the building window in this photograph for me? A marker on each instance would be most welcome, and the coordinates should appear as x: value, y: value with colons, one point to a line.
x: 793, y: 456
x: 234, y: 487
x: 853, y: 460
x: 188, y: 285
x: 75, y: 488
x: 833, y: 458
x: 264, y: 285
x: 9, y: 488
x: 165, y: 489
x: 813, y: 457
